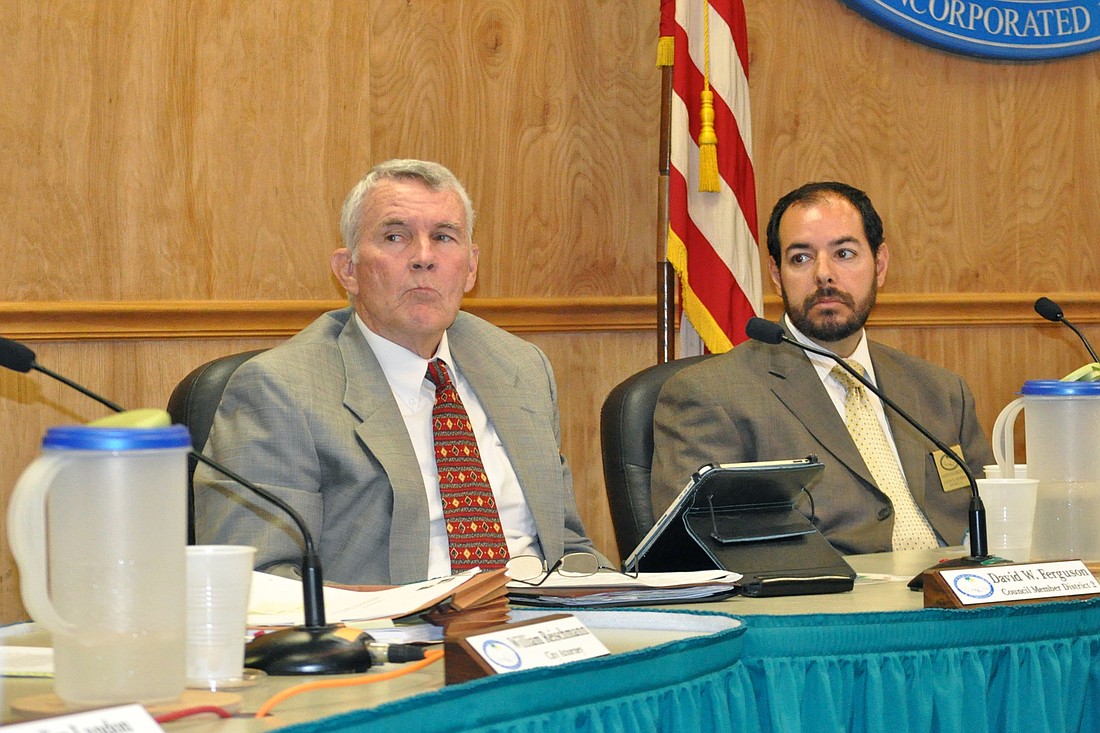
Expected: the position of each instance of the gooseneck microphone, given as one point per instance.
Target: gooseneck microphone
(1051, 311)
(767, 332)
(19, 358)
(315, 647)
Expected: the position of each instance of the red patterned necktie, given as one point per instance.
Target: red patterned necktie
(469, 508)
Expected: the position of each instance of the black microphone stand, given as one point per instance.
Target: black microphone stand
(1051, 311)
(315, 647)
(763, 330)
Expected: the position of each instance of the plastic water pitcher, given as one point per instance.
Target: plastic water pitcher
(1062, 438)
(98, 526)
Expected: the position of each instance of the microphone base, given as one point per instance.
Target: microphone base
(305, 650)
(972, 561)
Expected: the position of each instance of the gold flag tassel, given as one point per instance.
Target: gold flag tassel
(666, 47)
(708, 141)
(708, 144)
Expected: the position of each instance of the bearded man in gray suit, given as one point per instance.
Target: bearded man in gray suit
(338, 420)
(760, 402)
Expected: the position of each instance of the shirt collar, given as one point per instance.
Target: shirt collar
(405, 370)
(823, 364)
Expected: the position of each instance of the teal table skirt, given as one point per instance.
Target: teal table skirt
(670, 686)
(1031, 669)
(1016, 669)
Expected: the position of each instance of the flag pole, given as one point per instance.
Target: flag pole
(666, 274)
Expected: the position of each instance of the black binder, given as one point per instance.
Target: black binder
(741, 517)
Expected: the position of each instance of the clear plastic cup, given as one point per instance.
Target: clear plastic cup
(1009, 515)
(218, 582)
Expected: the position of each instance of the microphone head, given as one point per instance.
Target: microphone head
(1048, 309)
(761, 329)
(15, 356)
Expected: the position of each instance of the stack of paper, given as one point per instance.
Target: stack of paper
(478, 604)
(26, 661)
(610, 588)
(474, 599)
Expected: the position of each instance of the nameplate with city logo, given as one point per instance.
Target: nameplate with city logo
(541, 642)
(1009, 584)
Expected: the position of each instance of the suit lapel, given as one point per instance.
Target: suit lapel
(795, 382)
(367, 394)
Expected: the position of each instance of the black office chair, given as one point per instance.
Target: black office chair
(194, 402)
(626, 437)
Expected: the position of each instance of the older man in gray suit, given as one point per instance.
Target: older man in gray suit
(761, 402)
(338, 420)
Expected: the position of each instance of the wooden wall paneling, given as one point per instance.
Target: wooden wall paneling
(53, 321)
(560, 97)
(204, 149)
(45, 135)
(976, 166)
(280, 121)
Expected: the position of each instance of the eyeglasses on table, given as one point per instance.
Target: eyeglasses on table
(532, 570)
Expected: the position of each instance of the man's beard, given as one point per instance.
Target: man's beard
(831, 329)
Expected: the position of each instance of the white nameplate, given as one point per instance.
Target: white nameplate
(122, 719)
(1000, 584)
(543, 644)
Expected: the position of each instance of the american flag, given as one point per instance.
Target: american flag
(712, 237)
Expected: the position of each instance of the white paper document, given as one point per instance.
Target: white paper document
(611, 588)
(26, 661)
(611, 578)
(277, 601)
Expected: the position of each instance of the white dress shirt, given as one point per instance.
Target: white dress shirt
(406, 373)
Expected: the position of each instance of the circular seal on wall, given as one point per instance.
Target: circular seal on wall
(1021, 30)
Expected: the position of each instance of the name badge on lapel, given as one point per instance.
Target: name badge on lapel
(952, 477)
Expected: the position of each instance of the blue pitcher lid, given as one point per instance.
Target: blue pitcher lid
(1058, 388)
(88, 437)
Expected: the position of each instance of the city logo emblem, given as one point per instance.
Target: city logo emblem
(1015, 30)
(972, 586)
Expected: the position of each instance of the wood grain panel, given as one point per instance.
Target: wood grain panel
(203, 149)
(69, 320)
(977, 168)
(561, 98)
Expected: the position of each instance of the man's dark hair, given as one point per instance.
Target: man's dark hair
(812, 193)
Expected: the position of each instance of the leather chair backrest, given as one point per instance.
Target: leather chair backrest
(626, 437)
(194, 402)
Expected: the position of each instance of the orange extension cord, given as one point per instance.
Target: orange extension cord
(430, 656)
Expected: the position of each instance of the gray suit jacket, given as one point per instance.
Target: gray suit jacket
(759, 402)
(314, 421)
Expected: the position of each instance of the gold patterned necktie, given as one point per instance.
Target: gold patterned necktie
(469, 509)
(911, 528)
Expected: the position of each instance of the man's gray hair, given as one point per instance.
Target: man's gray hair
(433, 175)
